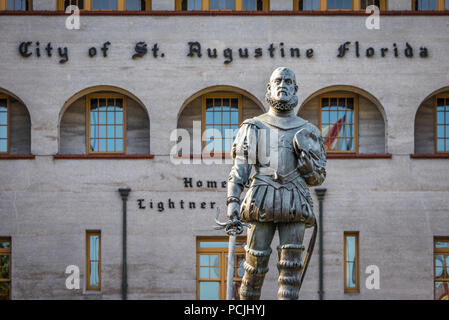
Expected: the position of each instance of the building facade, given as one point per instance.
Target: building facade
(86, 111)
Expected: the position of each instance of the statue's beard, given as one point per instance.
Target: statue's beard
(281, 106)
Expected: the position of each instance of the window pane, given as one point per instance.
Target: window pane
(350, 248)
(5, 244)
(350, 275)
(439, 263)
(3, 145)
(213, 244)
(204, 273)
(447, 4)
(5, 288)
(119, 145)
(5, 267)
(209, 290)
(441, 291)
(442, 244)
(3, 132)
(94, 274)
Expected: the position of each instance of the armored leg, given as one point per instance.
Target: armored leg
(289, 267)
(256, 267)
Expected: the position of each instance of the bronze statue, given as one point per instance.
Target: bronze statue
(287, 156)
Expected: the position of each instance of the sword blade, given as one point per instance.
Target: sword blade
(230, 274)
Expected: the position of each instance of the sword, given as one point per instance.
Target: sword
(232, 229)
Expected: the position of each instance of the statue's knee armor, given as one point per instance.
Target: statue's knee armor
(289, 267)
(256, 267)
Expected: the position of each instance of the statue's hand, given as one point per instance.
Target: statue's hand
(233, 211)
(305, 163)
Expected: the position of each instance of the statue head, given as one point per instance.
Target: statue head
(281, 90)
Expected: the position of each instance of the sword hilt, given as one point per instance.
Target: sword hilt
(231, 227)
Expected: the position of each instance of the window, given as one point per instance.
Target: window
(5, 268)
(307, 5)
(442, 123)
(190, 5)
(19, 5)
(420, 5)
(253, 5)
(221, 119)
(211, 261)
(4, 127)
(339, 4)
(119, 5)
(93, 270)
(338, 122)
(351, 261)
(106, 123)
(441, 268)
(238, 5)
(78, 3)
(221, 4)
(381, 4)
(446, 5)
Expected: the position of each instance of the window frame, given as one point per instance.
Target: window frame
(439, 96)
(437, 251)
(7, 252)
(4, 6)
(203, 116)
(223, 253)
(121, 6)
(88, 106)
(8, 124)
(88, 234)
(356, 261)
(356, 119)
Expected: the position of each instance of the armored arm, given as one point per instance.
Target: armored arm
(240, 172)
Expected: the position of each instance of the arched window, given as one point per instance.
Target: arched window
(108, 5)
(217, 5)
(310, 5)
(432, 124)
(16, 5)
(218, 113)
(350, 120)
(104, 122)
(15, 126)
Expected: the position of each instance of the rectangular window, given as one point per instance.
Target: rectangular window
(421, 5)
(78, 3)
(221, 4)
(338, 123)
(253, 5)
(20, 5)
(221, 120)
(107, 123)
(137, 5)
(339, 4)
(5, 268)
(366, 3)
(446, 4)
(191, 5)
(442, 123)
(308, 5)
(104, 4)
(212, 255)
(351, 261)
(4, 128)
(93, 269)
(441, 268)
